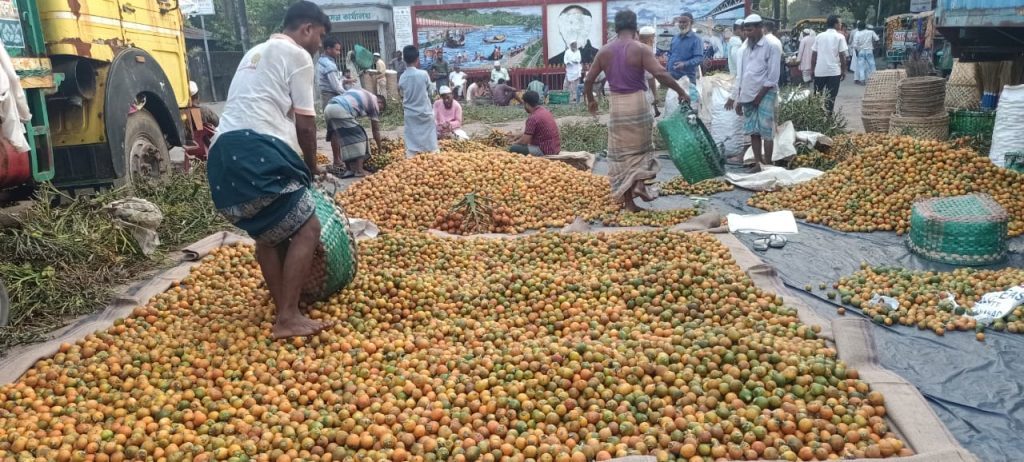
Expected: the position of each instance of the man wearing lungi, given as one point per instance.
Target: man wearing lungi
(631, 123)
(257, 178)
(756, 90)
(420, 130)
(341, 114)
(330, 83)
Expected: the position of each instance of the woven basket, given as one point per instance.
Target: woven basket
(965, 74)
(934, 127)
(921, 96)
(972, 123)
(882, 84)
(876, 124)
(878, 108)
(690, 146)
(962, 230)
(962, 97)
(335, 256)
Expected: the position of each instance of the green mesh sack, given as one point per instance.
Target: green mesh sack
(690, 146)
(334, 263)
(963, 230)
(364, 57)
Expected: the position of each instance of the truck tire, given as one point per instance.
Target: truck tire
(145, 150)
(5, 305)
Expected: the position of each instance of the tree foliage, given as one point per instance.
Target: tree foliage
(263, 18)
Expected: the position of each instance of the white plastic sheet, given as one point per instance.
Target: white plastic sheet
(781, 222)
(772, 178)
(784, 144)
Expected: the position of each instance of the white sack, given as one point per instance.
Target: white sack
(1008, 135)
(772, 178)
(784, 144)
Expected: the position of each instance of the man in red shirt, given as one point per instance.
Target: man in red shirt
(541, 137)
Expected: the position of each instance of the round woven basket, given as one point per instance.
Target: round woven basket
(391, 79)
(934, 127)
(876, 124)
(882, 84)
(963, 74)
(878, 108)
(962, 97)
(921, 96)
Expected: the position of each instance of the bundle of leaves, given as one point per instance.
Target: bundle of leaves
(808, 112)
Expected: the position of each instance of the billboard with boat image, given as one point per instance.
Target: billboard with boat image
(475, 38)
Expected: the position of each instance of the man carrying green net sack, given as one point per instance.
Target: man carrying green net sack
(631, 158)
(257, 179)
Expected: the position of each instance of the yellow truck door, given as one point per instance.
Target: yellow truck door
(156, 26)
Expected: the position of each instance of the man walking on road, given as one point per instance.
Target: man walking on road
(420, 130)
(631, 122)
(864, 49)
(257, 179)
(828, 59)
(573, 67)
(757, 89)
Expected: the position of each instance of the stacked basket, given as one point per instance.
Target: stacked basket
(921, 108)
(879, 100)
(962, 230)
(963, 91)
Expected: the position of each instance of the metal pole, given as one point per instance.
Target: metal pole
(209, 63)
(878, 13)
(243, 25)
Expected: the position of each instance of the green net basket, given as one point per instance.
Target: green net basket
(972, 123)
(1014, 161)
(690, 146)
(335, 261)
(963, 230)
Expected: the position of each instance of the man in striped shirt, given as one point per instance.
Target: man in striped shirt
(341, 114)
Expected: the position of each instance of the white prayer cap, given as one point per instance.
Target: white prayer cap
(444, 90)
(808, 31)
(754, 19)
(192, 88)
(647, 30)
(497, 63)
(739, 22)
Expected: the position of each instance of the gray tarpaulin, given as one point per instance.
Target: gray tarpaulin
(976, 388)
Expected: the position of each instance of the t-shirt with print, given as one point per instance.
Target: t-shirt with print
(273, 82)
(828, 45)
(543, 130)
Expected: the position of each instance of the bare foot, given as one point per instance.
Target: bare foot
(631, 206)
(299, 326)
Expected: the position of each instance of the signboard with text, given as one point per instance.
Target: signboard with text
(917, 6)
(196, 7)
(403, 26)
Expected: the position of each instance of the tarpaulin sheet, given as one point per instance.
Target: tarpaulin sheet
(976, 388)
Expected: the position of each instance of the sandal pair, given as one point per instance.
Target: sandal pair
(772, 241)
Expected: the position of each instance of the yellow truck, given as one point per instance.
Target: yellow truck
(107, 85)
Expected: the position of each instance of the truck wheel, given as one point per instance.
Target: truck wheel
(146, 153)
(5, 305)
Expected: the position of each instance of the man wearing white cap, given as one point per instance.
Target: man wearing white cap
(447, 114)
(457, 79)
(804, 54)
(573, 68)
(499, 73)
(754, 94)
(733, 47)
(381, 69)
(647, 35)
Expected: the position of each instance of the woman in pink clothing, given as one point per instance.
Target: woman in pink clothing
(447, 114)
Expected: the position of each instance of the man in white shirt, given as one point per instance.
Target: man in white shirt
(457, 79)
(828, 60)
(735, 42)
(257, 178)
(573, 67)
(864, 48)
(755, 92)
(499, 73)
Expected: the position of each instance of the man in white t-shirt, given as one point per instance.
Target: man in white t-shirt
(257, 178)
(573, 67)
(828, 60)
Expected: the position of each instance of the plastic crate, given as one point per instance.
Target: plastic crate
(558, 97)
(690, 146)
(963, 230)
(973, 123)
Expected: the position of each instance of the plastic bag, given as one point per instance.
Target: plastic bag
(141, 217)
(784, 144)
(996, 305)
(1006, 136)
(726, 126)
